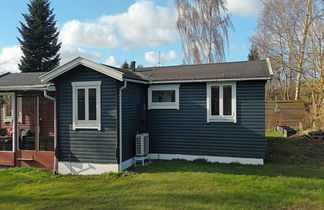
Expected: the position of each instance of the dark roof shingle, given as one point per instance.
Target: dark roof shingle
(21, 79)
(230, 70)
(128, 74)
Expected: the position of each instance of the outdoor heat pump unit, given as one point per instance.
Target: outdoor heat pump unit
(142, 144)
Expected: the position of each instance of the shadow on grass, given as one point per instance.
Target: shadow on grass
(291, 157)
(269, 169)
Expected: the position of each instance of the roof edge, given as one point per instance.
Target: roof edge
(25, 87)
(85, 62)
(201, 64)
(208, 80)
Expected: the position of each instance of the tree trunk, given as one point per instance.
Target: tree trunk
(302, 49)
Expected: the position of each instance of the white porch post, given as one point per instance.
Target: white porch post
(14, 122)
(37, 124)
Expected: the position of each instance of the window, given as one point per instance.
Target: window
(163, 97)
(86, 105)
(221, 102)
(7, 108)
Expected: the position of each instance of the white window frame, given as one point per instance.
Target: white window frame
(86, 124)
(221, 117)
(8, 119)
(163, 105)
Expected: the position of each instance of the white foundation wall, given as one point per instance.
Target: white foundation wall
(213, 159)
(93, 168)
(77, 168)
(128, 163)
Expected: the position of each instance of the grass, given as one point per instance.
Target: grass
(292, 178)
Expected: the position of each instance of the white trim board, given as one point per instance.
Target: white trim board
(163, 105)
(85, 62)
(25, 87)
(85, 168)
(213, 159)
(221, 117)
(269, 66)
(86, 123)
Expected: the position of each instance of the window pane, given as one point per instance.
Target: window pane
(8, 107)
(8, 110)
(5, 140)
(81, 104)
(92, 104)
(163, 96)
(215, 100)
(227, 100)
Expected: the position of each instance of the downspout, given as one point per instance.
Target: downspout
(55, 129)
(121, 126)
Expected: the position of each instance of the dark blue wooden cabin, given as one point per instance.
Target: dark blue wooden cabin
(210, 111)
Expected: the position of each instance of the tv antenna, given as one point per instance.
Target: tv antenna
(159, 61)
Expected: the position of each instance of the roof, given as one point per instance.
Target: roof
(107, 70)
(243, 70)
(15, 81)
(231, 71)
(129, 74)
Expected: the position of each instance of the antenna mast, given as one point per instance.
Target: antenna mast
(159, 63)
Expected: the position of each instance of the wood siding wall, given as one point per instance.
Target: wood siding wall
(134, 109)
(290, 113)
(186, 131)
(84, 145)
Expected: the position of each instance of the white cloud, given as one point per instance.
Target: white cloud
(244, 8)
(9, 59)
(144, 24)
(112, 61)
(68, 53)
(155, 58)
(10, 56)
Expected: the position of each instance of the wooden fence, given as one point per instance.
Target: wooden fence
(294, 114)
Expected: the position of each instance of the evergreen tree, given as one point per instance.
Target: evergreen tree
(139, 66)
(39, 42)
(254, 54)
(125, 65)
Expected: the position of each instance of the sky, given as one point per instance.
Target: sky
(110, 31)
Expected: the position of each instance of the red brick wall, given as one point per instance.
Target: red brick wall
(46, 115)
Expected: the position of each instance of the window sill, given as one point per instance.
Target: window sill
(163, 107)
(221, 119)
(79, 127)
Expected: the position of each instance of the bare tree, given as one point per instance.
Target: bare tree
(301, 55)
(291, 33)
(203, 26)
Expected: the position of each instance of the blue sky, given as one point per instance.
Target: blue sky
(111, 32)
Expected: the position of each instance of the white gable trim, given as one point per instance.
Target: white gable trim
(85, 62)
(269, 66)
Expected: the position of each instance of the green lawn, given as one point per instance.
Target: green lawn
(292, 178)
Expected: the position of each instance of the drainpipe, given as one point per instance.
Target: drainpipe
(121, 125)
(55, 129)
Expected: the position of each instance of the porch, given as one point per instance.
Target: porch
(27, 127)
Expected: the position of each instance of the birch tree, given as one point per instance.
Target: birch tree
(291, 33)
(203, 27)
